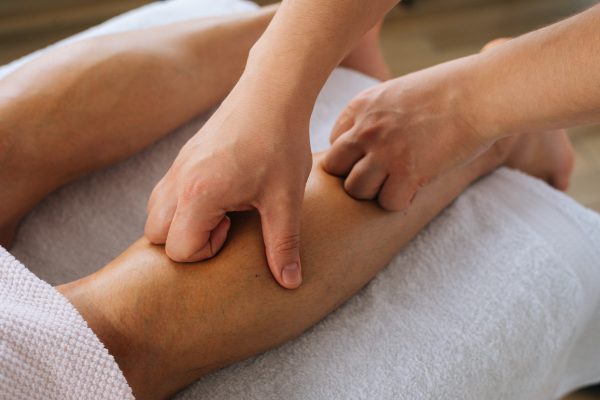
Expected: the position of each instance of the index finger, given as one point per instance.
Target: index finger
(197, 232)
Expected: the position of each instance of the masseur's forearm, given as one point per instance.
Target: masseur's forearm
(544, 80)
(305, 41)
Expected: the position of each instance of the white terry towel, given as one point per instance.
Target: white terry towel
(47, 350)
(496, 299)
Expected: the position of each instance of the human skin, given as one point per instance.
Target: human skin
(397, 137)
(168, 324)
(254, 152)
(116, 94)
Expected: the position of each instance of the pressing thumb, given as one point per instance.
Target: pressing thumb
(281, 233)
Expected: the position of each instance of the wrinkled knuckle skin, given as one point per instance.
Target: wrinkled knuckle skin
(288, 244)
(357, 103)
(373, 127)
(194, 188)
(367, 134)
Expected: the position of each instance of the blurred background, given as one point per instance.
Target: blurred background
(415, 36)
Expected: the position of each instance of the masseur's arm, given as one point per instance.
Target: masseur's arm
(254, 152)
(395, 138)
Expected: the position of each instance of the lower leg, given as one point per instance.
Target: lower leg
(168, 324)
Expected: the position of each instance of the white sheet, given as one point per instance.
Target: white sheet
(496, 299)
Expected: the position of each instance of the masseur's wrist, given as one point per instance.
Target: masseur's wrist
(475, 108)
(292, 83)
(266, 94)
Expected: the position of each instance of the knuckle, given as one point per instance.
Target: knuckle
(372, 127)
(359, 102)
(287, 244)
(354, 141)
(391, 204)
(195, 188)
(353, 189)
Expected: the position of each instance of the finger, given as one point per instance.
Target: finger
(365, 179)
(494, 43)
(342, 156)
(343, 123)
(280, 221)
(161, 208)
(397, 192)
(216, 240)
(193, 232)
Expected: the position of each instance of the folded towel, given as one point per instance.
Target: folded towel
(496, 299)
(47, 351)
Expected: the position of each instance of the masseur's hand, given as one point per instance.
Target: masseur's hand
(398, 136)
(249, 155)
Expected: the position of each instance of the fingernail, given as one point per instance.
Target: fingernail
(290, 274)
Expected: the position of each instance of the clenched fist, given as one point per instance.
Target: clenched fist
(396, 137)
(245, 157)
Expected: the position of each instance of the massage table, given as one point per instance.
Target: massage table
(496, 299)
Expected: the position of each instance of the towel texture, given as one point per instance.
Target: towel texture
(496, 299)
(47, 350)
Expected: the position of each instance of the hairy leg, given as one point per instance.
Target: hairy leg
(168, 324)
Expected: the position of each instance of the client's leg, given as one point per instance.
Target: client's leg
(168, 324)
(89, 104)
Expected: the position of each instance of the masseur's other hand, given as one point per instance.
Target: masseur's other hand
(398, 136)
(250, 155)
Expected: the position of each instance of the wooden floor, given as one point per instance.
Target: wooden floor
(430, 32)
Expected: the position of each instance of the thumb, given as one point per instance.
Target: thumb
(280, 223)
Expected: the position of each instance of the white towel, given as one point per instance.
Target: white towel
(47, 350)
(496, 299)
